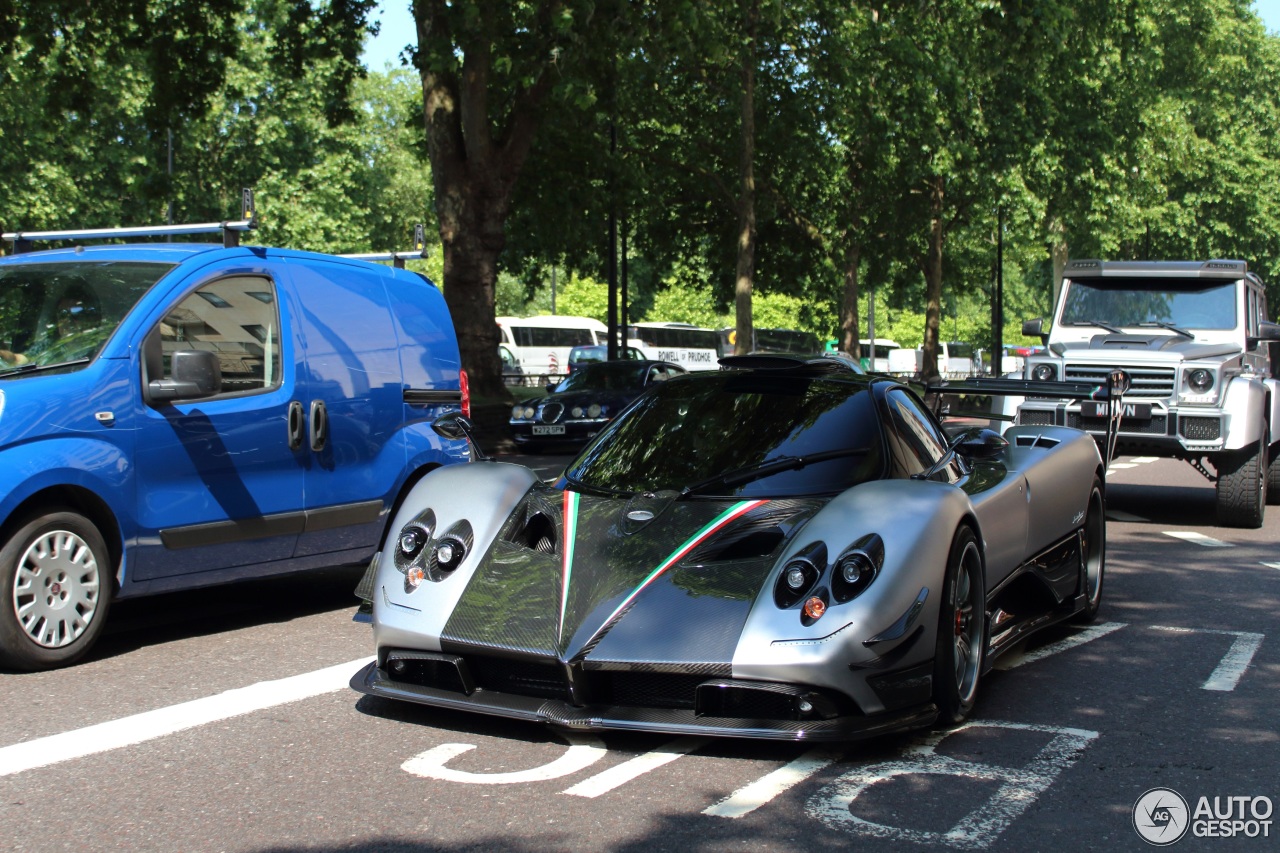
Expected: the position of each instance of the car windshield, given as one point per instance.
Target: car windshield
(690, 431)
(53, 313)
(605, 376)
(1128, 302)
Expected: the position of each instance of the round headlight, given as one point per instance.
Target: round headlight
(795, 577)
(517, 412)
(449, 554)
(1200, 380)
(593, 411)
(528, 412)
(851, 570)
(409, 541)
(445, 552)
(576, 411)
(1044, 372)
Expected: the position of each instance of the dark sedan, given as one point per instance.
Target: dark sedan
(581, 405)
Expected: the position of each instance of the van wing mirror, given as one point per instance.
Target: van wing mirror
(194, 374)
(1035, 329)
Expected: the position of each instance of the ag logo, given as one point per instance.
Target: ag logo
(1160, 816)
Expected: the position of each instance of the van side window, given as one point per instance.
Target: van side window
(235, 317)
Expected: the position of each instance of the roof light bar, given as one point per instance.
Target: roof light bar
(398, 258)
(22, 240)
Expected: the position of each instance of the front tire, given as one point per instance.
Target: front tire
(1093, 554)
(962, 631)
(55, 583)
(1242, 485)
(1273, 479)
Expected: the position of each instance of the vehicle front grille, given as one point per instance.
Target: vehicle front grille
(1200, 428)
(1158, 425)
(645, 689)
(1147, 383)
(551, 412)
(521, 678)
(1036, 418)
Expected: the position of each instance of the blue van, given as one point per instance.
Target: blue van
(182, 415)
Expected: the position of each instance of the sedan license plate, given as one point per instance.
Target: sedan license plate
(1131, 411)
(554, 429)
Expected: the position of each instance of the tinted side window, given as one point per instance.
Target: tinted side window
(914, 441)
(237, 318)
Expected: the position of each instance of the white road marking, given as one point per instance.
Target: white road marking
(1231, 668)
(1121, 515)
(751, 797)
(614, 777)
(150, 725)
(977, 830)
(1087, 635)
(1272, 565)
(1142, 459)
(583, 751)
(1198, 539)
(1118, 466)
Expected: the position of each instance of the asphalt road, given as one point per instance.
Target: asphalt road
(221, 720)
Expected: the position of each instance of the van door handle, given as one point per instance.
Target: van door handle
(319, 425)
(295, 425)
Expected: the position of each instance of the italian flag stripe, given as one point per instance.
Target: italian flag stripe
(694, 541)
(570, 535)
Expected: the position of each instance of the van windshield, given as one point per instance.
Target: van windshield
(53, 313)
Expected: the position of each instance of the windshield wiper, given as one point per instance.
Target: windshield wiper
(766, 468)
(601, 491)
(1170, 327)
(32, 367)
(1098, 323)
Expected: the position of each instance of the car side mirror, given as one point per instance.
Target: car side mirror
(1035, 329)
(455, 426)
(979, 444)
(194, 374)
(551, 389)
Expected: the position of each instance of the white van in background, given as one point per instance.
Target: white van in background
(955, 360)
(542, 344)
(691, 347)
(879, 361)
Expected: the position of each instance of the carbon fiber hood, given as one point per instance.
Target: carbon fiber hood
(637, 582)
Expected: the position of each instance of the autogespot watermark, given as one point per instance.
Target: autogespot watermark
(1162, 816)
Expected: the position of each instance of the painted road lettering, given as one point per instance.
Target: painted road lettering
(1018, 787)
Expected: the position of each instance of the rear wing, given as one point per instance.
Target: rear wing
(1111, 393)
(24, 241)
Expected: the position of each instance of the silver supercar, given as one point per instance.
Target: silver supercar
(782, 549)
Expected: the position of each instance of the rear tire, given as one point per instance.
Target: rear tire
(962, 631)
(1093, 554)
(55, 590)
(1242, 485)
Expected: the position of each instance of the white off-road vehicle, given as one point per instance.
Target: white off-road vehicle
(1202, 363)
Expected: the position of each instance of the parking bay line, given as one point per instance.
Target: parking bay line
(1087, 635)
(1198, 539)
(1229, 670)
(149, 725)
(760, 792)
(614, 777)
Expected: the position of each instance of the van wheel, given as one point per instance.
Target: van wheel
(962, 631)
(56, 583)
(1242, 485)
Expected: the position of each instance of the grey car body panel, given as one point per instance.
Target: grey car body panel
(652, 585)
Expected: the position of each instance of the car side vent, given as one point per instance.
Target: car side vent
(1036, 441)
(538, 533)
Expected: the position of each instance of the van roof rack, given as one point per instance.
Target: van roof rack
(398, 258)
(23, 240)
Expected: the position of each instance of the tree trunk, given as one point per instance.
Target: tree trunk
(745, 328)
(933, 280)
(1058, 259)
(849, 306)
